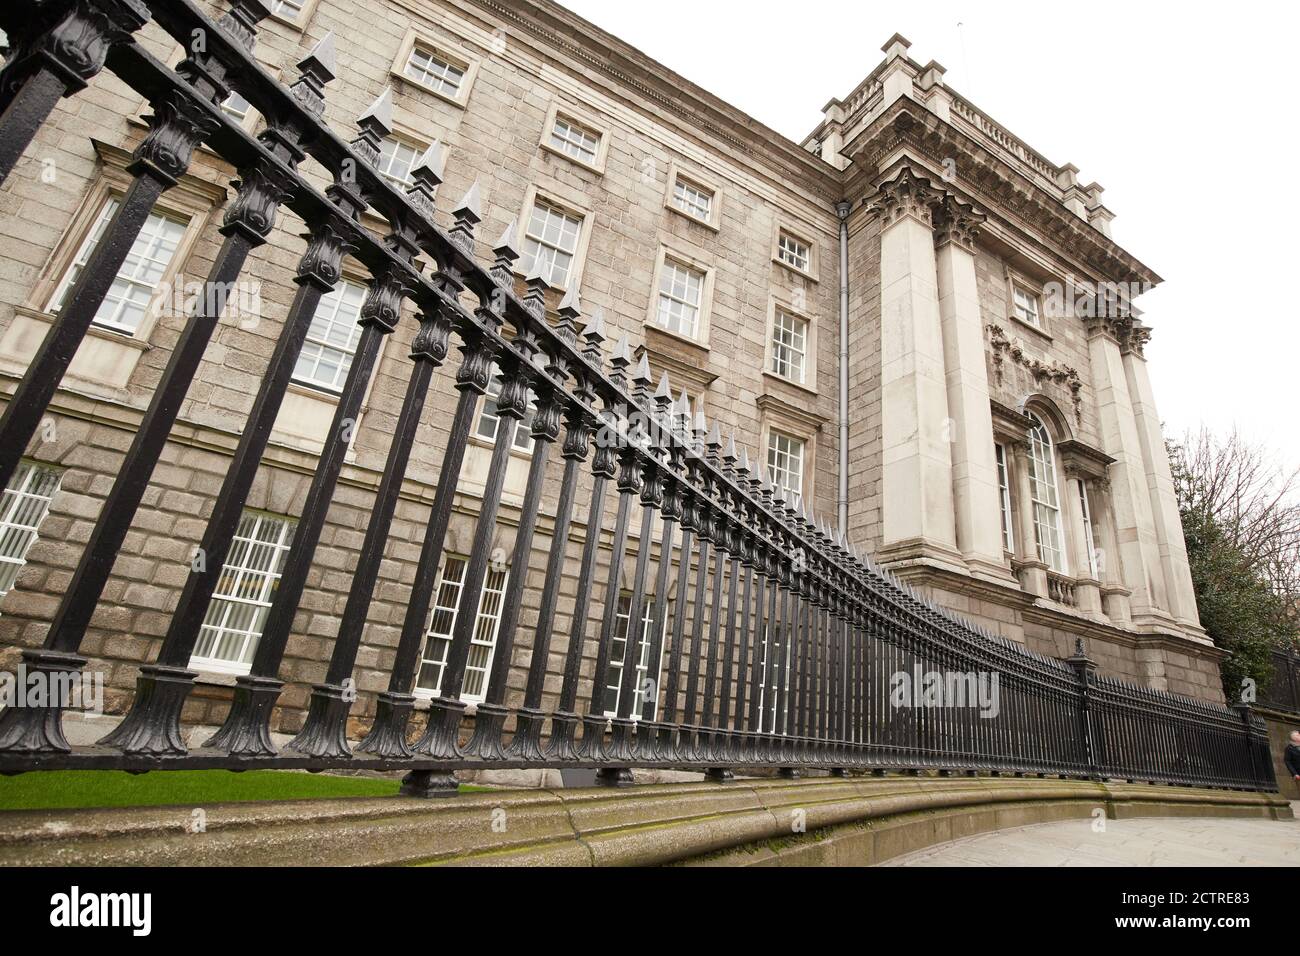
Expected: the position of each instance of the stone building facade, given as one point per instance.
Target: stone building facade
(1002, 454)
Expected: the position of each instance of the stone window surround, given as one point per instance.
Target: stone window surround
(567, 200)
(776, 414)
(453, 53)
(117, 353)
(1075, 461)
(776, 300)
(704, 321)
(813, 271)
(586, 120)
(1017, 277)
(703, 183)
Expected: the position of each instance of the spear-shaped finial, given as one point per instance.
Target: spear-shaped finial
(714, 443)
(620, 361)
(593, 335)
(535, 297)
(466, 216)
(426, 177)
(375, 124)
(315, 70)
(505, 254)
(664, 395)
(569, 311)
(730, 456)
(642, 381)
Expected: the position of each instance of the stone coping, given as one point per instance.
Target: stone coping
(859, 820)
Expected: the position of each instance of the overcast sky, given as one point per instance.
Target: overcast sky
(1185, 113)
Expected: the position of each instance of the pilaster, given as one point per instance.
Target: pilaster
(974, 465)
(918, 516)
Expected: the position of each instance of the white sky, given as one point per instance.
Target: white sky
(1185, 113)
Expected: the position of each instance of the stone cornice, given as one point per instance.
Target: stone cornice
(1084, 460)
(1005, 193)
(779, 406)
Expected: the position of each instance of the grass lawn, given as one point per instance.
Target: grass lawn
(69, 789)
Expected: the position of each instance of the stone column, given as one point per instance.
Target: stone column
(1180, 597)
(974, 464)
(918, 518)
(1130, 501)
(1110, 563)
(1087, 589)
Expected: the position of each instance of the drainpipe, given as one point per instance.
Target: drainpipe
(842, 210)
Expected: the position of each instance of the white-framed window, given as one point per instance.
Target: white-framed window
(397, 158)
(489, 421)
(435, 71)
(614, 676)
(1025, 306)
(442, 625)
(1089, 540)
(694, 200)
(789, 345)
(1046, 496)
(575, 140)
(127, 303)
(785, 455)
(244, 593)
(794, 252)
(681, 295)
(551, 242)
(1004, 500)
(326, 356)
(24, 506)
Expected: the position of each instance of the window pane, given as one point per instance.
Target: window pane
(550, 243)
(793, 252)
(431, 70)
(693, 200)
(573, 140)
(244, 593)
(326, 356)
(1046, 497)
(442, 625)
(785, 465)
(680, 292)
(618, 649)
(789, 345)
(489, 420)
(397, 159)
(25, 504)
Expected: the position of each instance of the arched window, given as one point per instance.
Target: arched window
(1046, 496)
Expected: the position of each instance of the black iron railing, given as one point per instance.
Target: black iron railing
(786, 648)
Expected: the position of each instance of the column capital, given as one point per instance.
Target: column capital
(908, 194)
(957, 223)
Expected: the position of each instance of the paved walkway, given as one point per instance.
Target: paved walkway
(1141, 842)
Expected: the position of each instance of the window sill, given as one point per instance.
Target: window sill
(456, 101)
(697, 344)
(809, 389)
(801, 273)
(596, 168)
(214, 675)
(706, 223)
(1021, 323)
(480, 442)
